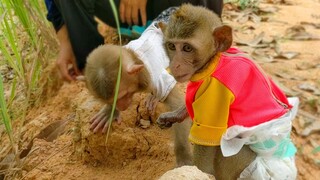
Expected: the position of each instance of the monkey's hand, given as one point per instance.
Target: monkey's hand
(151, 103)
(166, 120)
(101, 120)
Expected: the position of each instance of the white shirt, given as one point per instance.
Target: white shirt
(149, 48)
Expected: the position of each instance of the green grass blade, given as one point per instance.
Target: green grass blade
(10, 34)
(22, 13)
(4, 112)
(13, 92)
(115, 13)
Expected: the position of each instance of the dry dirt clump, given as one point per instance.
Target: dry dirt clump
(131, 151)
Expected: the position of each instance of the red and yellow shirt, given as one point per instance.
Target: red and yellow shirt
(232, 90)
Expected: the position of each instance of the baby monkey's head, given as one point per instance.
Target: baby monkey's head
(101, 74)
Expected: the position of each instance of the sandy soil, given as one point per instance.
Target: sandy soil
(68, 150)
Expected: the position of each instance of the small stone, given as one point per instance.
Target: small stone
(144, 123)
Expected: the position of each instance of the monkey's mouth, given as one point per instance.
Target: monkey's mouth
(182, 78)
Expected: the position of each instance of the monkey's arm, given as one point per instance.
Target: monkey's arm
(101, 119)
(166, 120)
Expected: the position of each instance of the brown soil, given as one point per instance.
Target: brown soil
(132, 152)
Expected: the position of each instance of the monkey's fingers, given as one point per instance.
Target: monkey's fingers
(164, 122)
(100, 125)
(153, 107)
(94, 124)
(105, 127)
(151, 104)
(97, 117)
(164, 125)
(118, 119)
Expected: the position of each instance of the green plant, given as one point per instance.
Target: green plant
(4, 112)
(22, 45)
(114, 10)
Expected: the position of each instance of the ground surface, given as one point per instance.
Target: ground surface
(68, 150)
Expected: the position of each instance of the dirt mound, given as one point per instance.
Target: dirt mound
(129, 146)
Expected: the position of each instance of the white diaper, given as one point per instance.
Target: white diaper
(271, 141)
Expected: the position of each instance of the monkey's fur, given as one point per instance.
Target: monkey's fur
(101, 76)
(192, 37)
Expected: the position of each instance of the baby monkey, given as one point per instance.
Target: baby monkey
(144, 64)
(241, 119)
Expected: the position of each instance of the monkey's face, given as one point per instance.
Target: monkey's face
(187, 56)
(192, 37)
(128, 87)
(124, 98)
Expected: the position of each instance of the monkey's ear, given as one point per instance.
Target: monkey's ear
(223, 38)
(162, 26)
(134, 69)
(101, 26)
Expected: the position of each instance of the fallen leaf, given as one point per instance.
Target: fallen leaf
(287, 55)
(243, 19)
(298, 32)
(265, 19)
(305, 66)
(231, 7)
(246, 29)
(283, 2)
(317, 26)
(8, 161)
(313, 124)
(256, 19)
(262, 56)
(313, 143)
(246, 15)
(253, 43)
(303, 121)
(286, 90)
(304, 36)
(267, 9)
(268, 40)
(49, 133)
(309, 88)
(288, 76)
(313, 128)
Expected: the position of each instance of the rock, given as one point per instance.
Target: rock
(144, 123)
(186, 173)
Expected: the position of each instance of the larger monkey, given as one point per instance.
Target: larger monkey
(241, 119)
(144, 64)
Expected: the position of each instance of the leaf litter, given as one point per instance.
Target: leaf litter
(266, 50)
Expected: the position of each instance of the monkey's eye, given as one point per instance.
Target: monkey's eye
(171, 46)
(187, 48)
